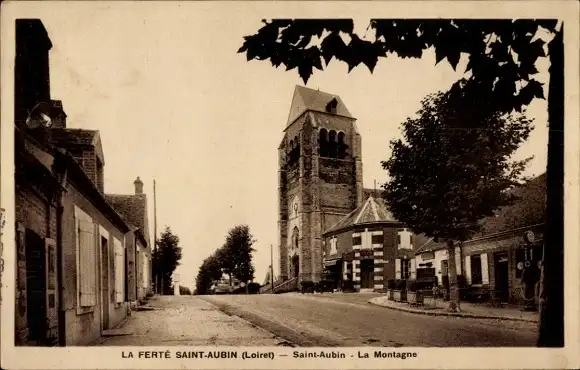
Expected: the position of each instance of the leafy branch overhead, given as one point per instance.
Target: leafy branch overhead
(501, 53)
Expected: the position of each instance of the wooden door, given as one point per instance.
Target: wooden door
(366, 274)
(502, 276)
(36, 288)
(51, 291)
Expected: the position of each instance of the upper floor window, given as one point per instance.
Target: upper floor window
(323, 143)
(333, 245)
(294, 150)
(332, 144)
(341, 146)
(331, 106)
(295, 237)
(405, 239)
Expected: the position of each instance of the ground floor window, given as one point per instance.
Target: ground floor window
(476, 276)
(405, 268)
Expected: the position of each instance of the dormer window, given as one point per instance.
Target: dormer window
(331, 106)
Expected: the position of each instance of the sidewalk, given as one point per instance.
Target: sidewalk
(468, 310)
(185, 321)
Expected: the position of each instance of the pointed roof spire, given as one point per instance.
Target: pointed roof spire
(306, 99)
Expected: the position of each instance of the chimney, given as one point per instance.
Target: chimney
(138, 186)
(58, 115)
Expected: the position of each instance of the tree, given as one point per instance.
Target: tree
(501, 67)
(183, 290)
(235, 257)
(452, 169)
(209, 271)
(166, 258)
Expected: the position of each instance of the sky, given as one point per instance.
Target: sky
(174, 102)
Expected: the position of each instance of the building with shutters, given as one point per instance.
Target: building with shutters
(71, 265)
(508, 249)
(133, 208)
(369, 246)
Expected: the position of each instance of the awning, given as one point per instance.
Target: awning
(331, 261)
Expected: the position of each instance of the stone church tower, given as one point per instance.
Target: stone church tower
(319, 177)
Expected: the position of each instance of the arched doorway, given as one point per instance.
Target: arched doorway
(294, 266)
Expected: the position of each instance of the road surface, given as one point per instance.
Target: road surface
(348, 320)
(186, 321)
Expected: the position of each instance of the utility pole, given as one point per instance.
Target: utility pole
(155, 277)
(272, 266)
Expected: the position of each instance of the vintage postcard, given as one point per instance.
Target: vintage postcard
(274, 185)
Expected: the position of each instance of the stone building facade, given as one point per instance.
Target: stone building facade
(369, 246)
(133, 208)
(320, 178)
(504, 258)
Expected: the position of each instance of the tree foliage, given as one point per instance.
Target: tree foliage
(166, 258)
(183, 290)
(501, 53)
(453, 167)
(235, 257)
(209, 271)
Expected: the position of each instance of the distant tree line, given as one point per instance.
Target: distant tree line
(233, 259)
(166, 258)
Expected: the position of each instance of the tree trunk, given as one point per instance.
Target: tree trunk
(453, 287)
(551, 324)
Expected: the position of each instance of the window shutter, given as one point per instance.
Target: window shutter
(468, 269)
(87, 291)
(484, 269)
(397, 268)
(145, 269)
(413, 269)
(119, 271)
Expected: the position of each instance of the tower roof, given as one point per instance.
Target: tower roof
(373, 211)
(306, 99)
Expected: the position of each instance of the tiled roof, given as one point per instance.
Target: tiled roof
(308, 99)
(373, 210)
(528, 210)
(67, 137)
(376, 193)
(133, 208)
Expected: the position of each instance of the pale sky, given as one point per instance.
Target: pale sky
(173, 101)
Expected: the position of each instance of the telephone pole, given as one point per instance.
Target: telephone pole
(155, 277)
(272, 266)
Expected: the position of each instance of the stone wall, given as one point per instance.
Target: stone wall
(35, 213)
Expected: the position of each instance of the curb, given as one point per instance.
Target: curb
(453, 314)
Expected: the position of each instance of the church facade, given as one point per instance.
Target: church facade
(319, 178)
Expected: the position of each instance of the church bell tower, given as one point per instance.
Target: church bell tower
(319, 178)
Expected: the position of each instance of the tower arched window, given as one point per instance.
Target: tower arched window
(341, 146)
(297, 143)
(323, 143)
(332, 144)
(295, 237)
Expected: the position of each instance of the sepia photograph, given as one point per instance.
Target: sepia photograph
(232, 181)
